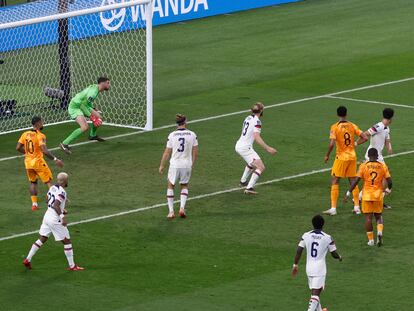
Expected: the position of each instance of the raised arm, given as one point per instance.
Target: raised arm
(165, 156)
(259, 140)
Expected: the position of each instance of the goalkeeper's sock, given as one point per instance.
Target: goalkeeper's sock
(74, 135)
(170, 200)
(92, 131)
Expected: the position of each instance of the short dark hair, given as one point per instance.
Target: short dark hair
(36, 119)
(388, 113)
(341, 111)
(102, 79)
(372, 152)
(318, 222)
(180, 119)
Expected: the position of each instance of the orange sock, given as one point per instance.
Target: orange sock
(334, 195)
(370, 235)
(355, 195)
(380, 228)
(34, 199)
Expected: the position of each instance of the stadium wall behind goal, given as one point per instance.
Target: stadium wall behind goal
(165, 12)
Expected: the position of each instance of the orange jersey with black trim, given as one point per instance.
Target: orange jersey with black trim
(32, 141)
(344, 133)
(373, 173)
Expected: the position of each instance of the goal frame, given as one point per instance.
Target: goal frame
(105, 8)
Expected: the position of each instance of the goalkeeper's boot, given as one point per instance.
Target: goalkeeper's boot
(171, 215)
(27, 264)
(97, 138)
(182, 213)
(250, 191)
(65, 148)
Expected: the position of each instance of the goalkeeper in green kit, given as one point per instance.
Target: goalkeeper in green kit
(81, 107)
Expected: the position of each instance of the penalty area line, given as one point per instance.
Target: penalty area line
(197, 197)
(301, 100)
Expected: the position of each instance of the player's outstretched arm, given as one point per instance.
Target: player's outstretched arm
(295, 267)
(363, 138)
(330, 148)
(165, 156)
(194, 154)
(258, 139)
(336, 255)
(46, 152)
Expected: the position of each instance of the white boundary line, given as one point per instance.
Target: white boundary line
(197, 197)
(370, 101)
(234, 113)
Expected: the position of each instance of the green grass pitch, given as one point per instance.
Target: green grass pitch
(233, 252)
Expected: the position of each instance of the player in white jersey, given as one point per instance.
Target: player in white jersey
(317, 244)
(251, 130)
(379, 135)
(182, 147)
(54, 222)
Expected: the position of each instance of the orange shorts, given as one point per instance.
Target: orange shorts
(343, 168)
(44, 173)
(369, 207)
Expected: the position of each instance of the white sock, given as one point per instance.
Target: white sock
(170, 200)
(255, 176)
(183, 198)
(360, 195)
(247, 171)
(69, 254)
(313, 303)
(35, 247)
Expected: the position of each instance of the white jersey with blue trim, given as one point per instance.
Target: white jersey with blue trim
(55, 193)
(182, 142)
(317, 244)
(251, 125)
(379, 134)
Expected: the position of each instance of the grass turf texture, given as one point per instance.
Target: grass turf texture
(233, 252)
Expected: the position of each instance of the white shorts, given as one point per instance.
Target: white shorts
(248, 154)
(316, 282)
(179, 174)
(52, 226)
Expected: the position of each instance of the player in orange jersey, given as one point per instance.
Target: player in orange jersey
(373, 173)
(32, 144)
(343, 135)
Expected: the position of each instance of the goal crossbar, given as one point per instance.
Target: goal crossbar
(76, 13)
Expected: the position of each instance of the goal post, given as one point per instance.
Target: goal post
(50, 50)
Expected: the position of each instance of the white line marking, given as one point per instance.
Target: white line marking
(201, 196)
(231, 114)
(370, 101)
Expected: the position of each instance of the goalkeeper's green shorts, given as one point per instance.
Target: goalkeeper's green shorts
(75, 112)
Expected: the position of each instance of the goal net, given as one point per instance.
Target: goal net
(52, 49)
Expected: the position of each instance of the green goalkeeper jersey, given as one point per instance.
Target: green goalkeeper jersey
(85, 98)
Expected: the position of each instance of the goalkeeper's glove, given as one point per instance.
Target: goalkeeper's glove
(97, 122)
